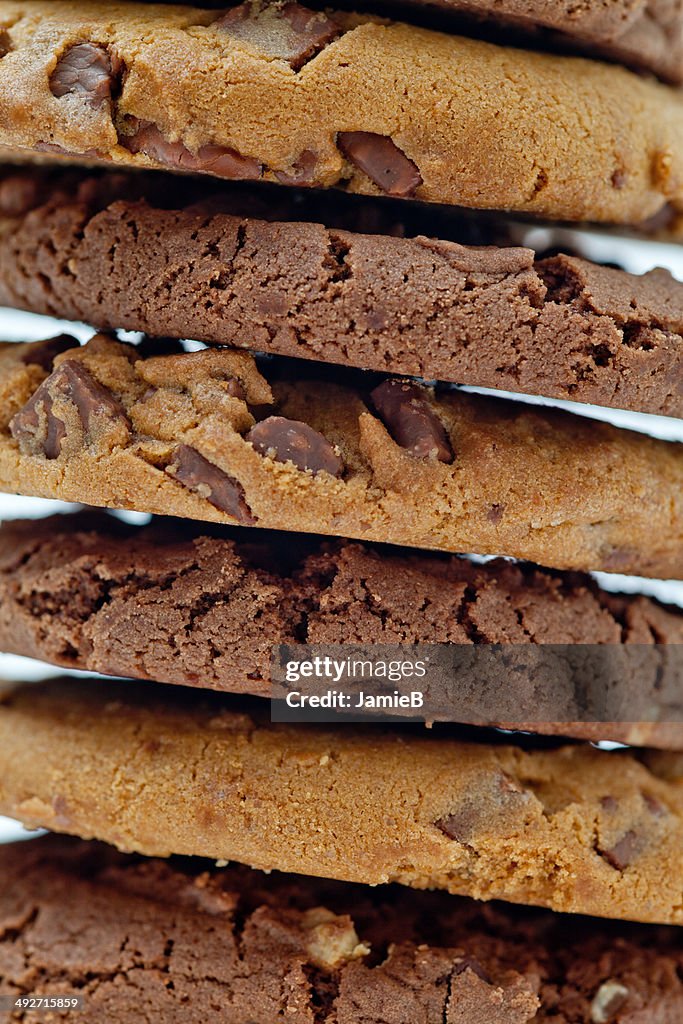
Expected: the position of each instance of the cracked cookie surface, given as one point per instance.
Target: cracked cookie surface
(159, 770)
(177, 938)
(284, 94)
(205, 435)
(100, 249)
(174, 603)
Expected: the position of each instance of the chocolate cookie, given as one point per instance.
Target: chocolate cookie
(161, 770)
(175, 940)
(283, 93)
(205, 435)
(98, 248)
(172, 603)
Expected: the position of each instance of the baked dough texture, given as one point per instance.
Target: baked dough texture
(280, 93)
(158, 771)
(174, 603)
(183, 258)
(213, 435)
(173, 940)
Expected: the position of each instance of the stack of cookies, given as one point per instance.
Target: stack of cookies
(313, 473)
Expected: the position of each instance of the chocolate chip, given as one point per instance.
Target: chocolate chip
(291, 441)
(38, 429)
(86, 70)
(624, 851)
(288, 31)
(5, 43)
(496, 798)
(495, 513)
(91, 399)
(609, 803)
(210, 159)
(468, 963)
(607, 1001)
(42, 353)
(302, 172)
(410, 420)
(654, 806)
(383, 162)
(193, 471)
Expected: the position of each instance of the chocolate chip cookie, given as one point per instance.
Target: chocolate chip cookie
(173, 603)
(100, 249)
(213, 435)
(173, 939)
(287, 94)
(163, 770)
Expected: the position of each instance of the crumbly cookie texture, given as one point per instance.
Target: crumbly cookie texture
(282, 93)
(159, 770)
(173, 940)
(171, 603)
(205, 435)
(645, 34)
(99, 249)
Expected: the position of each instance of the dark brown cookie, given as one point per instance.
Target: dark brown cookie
(173, 603)
(91, 249)
(175, 940)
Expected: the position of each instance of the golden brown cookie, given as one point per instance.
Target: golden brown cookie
(207, 435)
(286, 94)
(159, 771)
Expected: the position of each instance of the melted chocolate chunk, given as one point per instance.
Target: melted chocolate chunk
(87, 70)
(39, 430)
(383, 162)
(624, 851)
(411, 421)
(302, 172)
(210, 159)
(291, 441)
(5, 43)
(497, 799)
(193, 471)
(43, 353)
(288, 31)
(35, 427)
